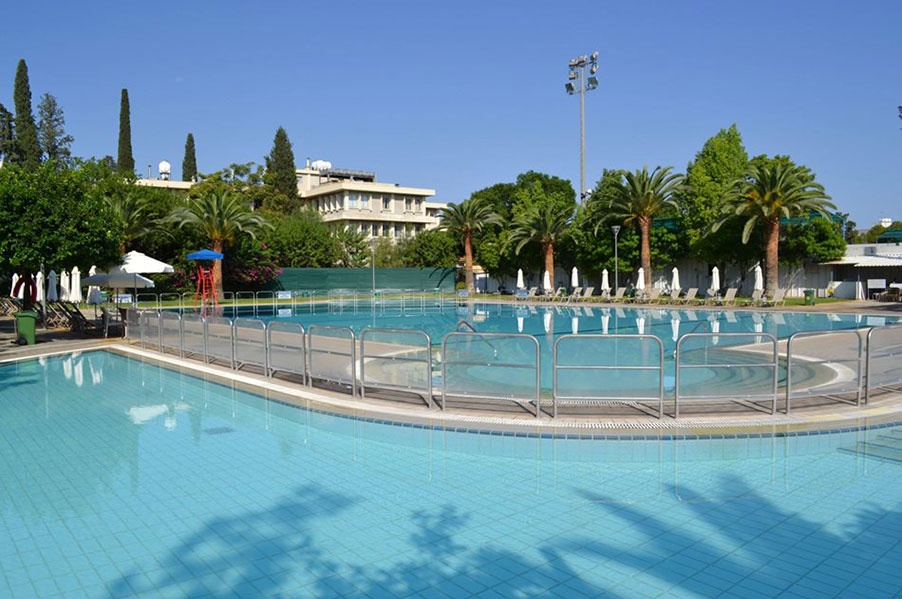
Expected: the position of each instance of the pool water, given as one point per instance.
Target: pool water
(120, 478)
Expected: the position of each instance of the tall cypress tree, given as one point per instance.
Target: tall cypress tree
(189, 163)
(125, 162)
(27, 146)
(7, 136)
(280, 174)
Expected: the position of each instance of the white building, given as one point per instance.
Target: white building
(356, 200)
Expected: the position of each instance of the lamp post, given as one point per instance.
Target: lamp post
(577, 77)
(616, 230)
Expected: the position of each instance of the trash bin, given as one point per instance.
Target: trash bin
(25, 325)
(809, 297)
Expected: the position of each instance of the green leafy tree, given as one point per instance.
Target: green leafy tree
(771, 191)
(55, 142)
(281, 178)
(221, 219)
(7, 136)
(465, 221)
(302, 240)
(849, 228)
(189, 162)
(28, 151)
(430, 249)
(818, 240)
(56, 219)
(641, 197)
(125, 160)
(351, 246)
(490, 248)
(547, 224)
(136, 213)
(387, 254)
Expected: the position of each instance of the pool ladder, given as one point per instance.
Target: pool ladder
(466, 324)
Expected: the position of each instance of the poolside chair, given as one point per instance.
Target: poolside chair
(710, 297)
(560, 295)
(779, 298)
(754, 299)
(618, 297)
(520, 295)
(587, 294)
(532, 293)
(729, 297)
(651, 296)
(690, 296)
(575, 296)
(673, 298)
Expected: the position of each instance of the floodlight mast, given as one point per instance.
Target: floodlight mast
(578, 72)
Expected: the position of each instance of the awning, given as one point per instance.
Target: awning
(867, 261)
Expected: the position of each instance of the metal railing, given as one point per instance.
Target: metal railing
(599, 391)
(283, 341)
(249, 342)
(194, 338)
(529, 393)
(398, 363)
(170, 332)
(730, 392)
(329, 359)
(884, 346)
(830, 376)
(219, 340)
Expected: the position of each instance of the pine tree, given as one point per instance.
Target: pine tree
(29, 152)
(280, 172)
(189, 163)
(125, 162)
(55, 143)
(7, 136)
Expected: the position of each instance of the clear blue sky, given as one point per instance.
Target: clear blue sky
(462, 95)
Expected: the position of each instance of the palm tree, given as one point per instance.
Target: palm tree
(768, 193)
(220, 217)
(547, 224)
(135, 213)
(639, 198)
(465, 220)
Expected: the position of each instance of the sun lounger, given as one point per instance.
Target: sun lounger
(575, 296)
(690, 296)
(779, 298)
(755, 298)
(673, 298)
(618, 297)
(729, 297)
(587, 294)
(651, 296)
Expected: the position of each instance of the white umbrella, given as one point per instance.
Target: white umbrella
(519, 324)
(640, 324)
(675, 280)
(138, 263)
(52, 294)
(574, 325)
(546, 282)
(675, 325)
(605, 321)
(605, 285)
(574, 278)
(118, 280)
(759, 278)
(640, 282)
(39, 283)
(75, 286)
(12, 292)
(64, 286)
(546, 320)
(520, 284)
(715, 279)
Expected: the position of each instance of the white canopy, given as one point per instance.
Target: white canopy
(715, 279)
(118, 281)
(640, 282)
(75, 286)
(574, 278)
(52, 294)
(520, 284)
(605, 285)
(759, 278)
(138, 263)
(675, 280)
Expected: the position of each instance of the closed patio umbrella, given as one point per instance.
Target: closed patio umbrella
(675, 278)
(75, 286)
(546, 321)
(574, 325)
(675, 325)
(640, 324)
(759, 278)
(519, 324)
(715, 328)
(12, 292)
(52, 294)
(574, 278)
(64, 286)
(640, 282)
(520, 284)
(39, 283)
(605, 284)
(605, 322)
(546, 282)
(715, 279)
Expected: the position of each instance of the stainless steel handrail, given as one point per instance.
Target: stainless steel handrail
(556, 367)
(678, 367)
(473, 329)
(867, 360)
(281, 327)
(257, 326)
(426, 392)
(537, 367)
(858, 360)
(352, 354)
(209, 355)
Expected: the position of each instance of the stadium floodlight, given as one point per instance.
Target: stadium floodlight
(578, 73)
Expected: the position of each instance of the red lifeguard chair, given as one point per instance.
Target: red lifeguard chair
(205, 300)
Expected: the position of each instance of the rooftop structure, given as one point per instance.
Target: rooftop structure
(355, 199)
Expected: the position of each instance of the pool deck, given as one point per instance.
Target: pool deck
(703, 420)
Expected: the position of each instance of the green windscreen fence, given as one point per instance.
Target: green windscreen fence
(362, 278)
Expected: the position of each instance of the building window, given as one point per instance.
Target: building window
(418, 205)
(386, 203)
(408, 204)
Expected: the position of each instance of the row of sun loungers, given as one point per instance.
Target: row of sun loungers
(655, 296)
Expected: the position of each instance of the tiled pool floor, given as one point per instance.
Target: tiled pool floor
(120, 478)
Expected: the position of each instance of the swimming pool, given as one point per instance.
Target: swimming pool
(121, 478)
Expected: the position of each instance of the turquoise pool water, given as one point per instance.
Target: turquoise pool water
(119, 479)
